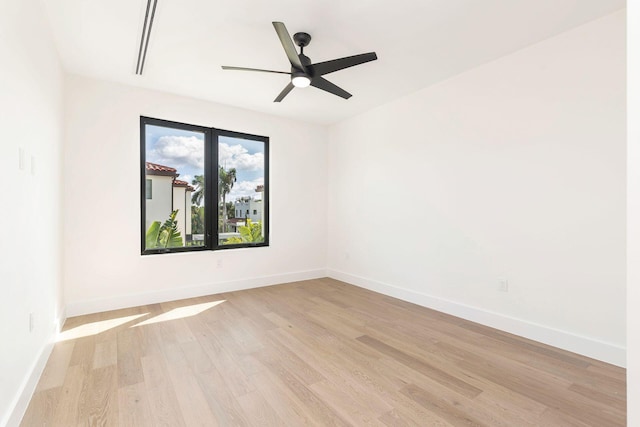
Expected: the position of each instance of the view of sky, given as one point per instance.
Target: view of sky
(184, 150)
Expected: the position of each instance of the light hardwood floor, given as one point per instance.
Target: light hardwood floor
(317, 352)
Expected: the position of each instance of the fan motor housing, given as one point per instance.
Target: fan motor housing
(302, 39)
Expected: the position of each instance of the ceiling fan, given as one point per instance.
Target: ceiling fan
(303, 73)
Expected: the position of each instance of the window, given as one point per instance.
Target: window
(148, 189)
(201, 178)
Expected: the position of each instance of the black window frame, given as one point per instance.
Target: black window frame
(211, 152)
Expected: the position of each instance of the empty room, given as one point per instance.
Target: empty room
(413, 213)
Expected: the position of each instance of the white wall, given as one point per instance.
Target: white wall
(103, 265)
(30, 248)
(515, 170)
(180, 202)
(633, 213)
(159, 206)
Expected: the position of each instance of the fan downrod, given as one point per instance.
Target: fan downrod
(302, 39)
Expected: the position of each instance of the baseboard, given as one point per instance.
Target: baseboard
(22, 400)
(606, 352)
(78, 308)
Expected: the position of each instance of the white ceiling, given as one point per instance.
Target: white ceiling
(418, 42)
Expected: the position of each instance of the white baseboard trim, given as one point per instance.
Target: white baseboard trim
(21, 402)
(606, 352)
(78, 308)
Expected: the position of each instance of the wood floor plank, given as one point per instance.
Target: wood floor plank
(56, 369)
(321, 411)
(287, 405)
(348, 407)
(485, 409)
(552, 417)
(83, 353)
(258, 411)
(225, 406)
(281, 354)
(422, 366)
(314, 353)
(165, 409)
(133, 405)
(194, 407)
(42, 407)
(409, 417)
(128, 357)
(75, 386)
(443, 409)
(355, 372)
(99, 405)
(106, 354)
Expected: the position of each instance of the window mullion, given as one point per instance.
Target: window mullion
(211, 210)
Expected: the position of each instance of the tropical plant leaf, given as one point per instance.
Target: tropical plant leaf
(174, 239)
(151, 238)
(250, 233)
(166, 235)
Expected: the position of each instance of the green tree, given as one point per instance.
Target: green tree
(198, 194)
(226, 179)
(231, 210)
(165, 235)
(197, 219)
(250, 233)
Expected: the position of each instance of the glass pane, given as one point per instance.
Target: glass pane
(148, 189)
(241, 191)
(174, 170)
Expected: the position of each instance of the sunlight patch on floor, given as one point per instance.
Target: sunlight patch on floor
(180, 313)
(95, 328)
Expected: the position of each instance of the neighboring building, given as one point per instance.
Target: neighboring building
(248, 207)
(182, 200)
(164, 194)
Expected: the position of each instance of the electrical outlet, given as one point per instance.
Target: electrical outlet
(503, 285)
(219, 263)
(31, 322)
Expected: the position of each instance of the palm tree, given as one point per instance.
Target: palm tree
(225, 184)
(198, 195)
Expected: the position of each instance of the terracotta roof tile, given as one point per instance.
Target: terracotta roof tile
(179, 183)
(160, 168)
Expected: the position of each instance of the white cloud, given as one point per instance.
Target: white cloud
(179, 151)
(245, 189)
(187, 178)
(236, 156)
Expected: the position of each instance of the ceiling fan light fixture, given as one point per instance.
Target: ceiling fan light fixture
(304, 73)
(300, 80)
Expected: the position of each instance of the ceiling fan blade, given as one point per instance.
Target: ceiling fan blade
(326, 85)
(287, 44)
(322, 68)
(226, 67)
(284, 92)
